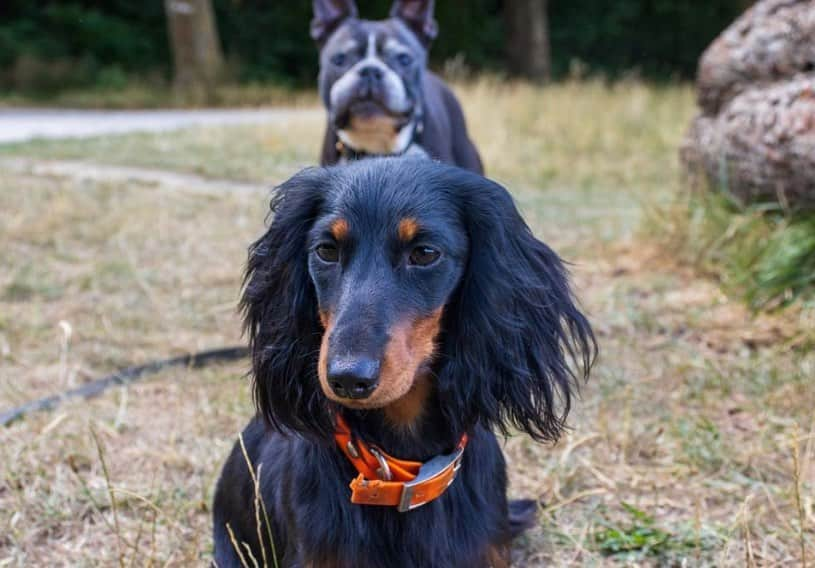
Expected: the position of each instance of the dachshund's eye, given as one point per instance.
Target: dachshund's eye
(404, 59)
(338, 59)
(328, 253)
(423, 256)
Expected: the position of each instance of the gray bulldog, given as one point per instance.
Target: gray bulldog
(380, 96)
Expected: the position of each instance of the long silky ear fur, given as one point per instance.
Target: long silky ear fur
(516, 345)
(279, 306)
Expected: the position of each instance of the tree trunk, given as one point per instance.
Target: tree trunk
(527, 39)
(197, 56)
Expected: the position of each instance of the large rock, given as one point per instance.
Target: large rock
(755, 134)
(761, 145)
(773, 40)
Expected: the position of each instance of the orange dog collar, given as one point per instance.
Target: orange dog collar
(388, 481)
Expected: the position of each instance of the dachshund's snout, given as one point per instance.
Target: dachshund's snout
(353, 377)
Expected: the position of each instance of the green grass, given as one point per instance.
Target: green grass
(758, 252)
(639, 537)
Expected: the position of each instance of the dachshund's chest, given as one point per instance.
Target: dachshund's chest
(460, 528)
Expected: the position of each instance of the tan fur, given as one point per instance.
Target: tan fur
(405, 411)
(339, 229)
(410, 348)
(325, 318)
(322, 361)
(498, 557)
(408, 227)
(375, 134)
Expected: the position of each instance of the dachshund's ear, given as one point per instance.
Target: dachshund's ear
(280, 311)
(514, 335)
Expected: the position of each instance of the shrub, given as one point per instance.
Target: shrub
(759, 252)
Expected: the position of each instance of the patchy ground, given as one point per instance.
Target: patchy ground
(694, 442)
(19, 125)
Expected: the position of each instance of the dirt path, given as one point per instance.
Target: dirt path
(89, 171)
(19, 125)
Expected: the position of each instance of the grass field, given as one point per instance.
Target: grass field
(693, 444)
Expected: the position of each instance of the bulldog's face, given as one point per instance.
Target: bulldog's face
(371, 75)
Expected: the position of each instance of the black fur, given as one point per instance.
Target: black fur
(509, 330)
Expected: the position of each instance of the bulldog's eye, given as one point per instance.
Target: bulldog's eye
(338, 59)
(423, 256)
(328, 252)
(404, 59)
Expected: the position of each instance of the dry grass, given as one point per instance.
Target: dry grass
(99, 277)
(146, 94)
(694, 443)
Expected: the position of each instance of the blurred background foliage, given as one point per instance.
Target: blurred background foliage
(48, 45)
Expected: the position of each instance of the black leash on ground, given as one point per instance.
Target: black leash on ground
(124, 377)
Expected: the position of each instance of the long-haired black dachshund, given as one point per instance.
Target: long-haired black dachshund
(395, 307)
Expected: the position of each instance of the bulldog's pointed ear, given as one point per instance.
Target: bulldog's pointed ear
(418, 15)
(328, 14)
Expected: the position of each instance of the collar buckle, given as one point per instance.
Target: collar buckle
(384, 470)
(439, 466)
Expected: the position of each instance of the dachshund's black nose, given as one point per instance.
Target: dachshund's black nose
(353, 377)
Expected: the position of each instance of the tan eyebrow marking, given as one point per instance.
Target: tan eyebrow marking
(408, 227)
(339, 229)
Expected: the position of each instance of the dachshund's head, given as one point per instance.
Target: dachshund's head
(384, 283)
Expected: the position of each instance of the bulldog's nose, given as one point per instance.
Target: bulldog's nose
(353, 377)
(371, 73)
